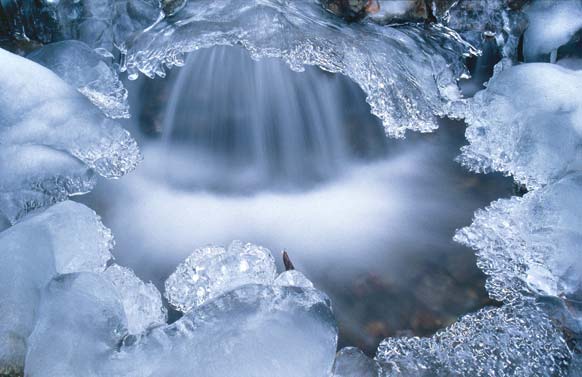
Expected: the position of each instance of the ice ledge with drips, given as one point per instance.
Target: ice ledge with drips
(409, 73)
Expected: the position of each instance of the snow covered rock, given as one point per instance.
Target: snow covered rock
(211, 271)
(527, 123)
(67, 237)
(551, 25)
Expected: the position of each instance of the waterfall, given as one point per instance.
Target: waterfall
(242, 124)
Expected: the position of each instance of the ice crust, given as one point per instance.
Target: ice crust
(52, 139)
(211, 271)
(408, 73)
(67, 237)
(527, 123)
(514, 340)
(530, 246)
(250, 331)
(352, 362)
(293, 278)
(142, 302)
(88, 71)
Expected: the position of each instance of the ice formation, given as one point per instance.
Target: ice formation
(52, 139)
(88, 71)
(238, 317)
(551, 25)
(408, 73)
(142, 303)
(251, 330)
(478, 21)
(527, 123)
(293, 278)
(514, 340)
(67, 237)
(352, 362)
(530, 246)
(210, 271)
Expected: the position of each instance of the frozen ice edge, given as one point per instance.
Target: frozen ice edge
(401, 90)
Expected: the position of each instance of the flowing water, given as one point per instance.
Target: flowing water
(242, 149)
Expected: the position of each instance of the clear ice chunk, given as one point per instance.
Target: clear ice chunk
(293, 278)
(514, 340)
(527, 123)
(551, 25)
(254, 330)
(142, 302)
(41, 112)
(409, 73)
(352, 362)
(88, 71)
(36, 176)
(530, 246)
(211, 271)
(80, 323)
(67, 237)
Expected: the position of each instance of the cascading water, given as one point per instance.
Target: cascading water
(240, 124)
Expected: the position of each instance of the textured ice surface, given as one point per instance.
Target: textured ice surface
(88, 71)
(477, 21)
(67, 237)
(551, 25)
(33, 176)
(50, 131)
(253, 330)
(514, 340)
(293, 278)
(531, 246)
(142, 302)
(80, 323)
(352, 362)
(527, 123)
(211, 271)
(408, 73)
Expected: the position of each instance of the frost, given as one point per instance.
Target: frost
(514, 340)
(408, 73)
(142, 302)
(551, 25)
(83, 68)
(65, 238)
(527, 123)
(254, 330)
(530, 246)
(52, 139)
(211, 271)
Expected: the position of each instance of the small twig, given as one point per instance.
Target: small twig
(287, 262)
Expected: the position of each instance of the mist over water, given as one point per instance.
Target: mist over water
(294, 161)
